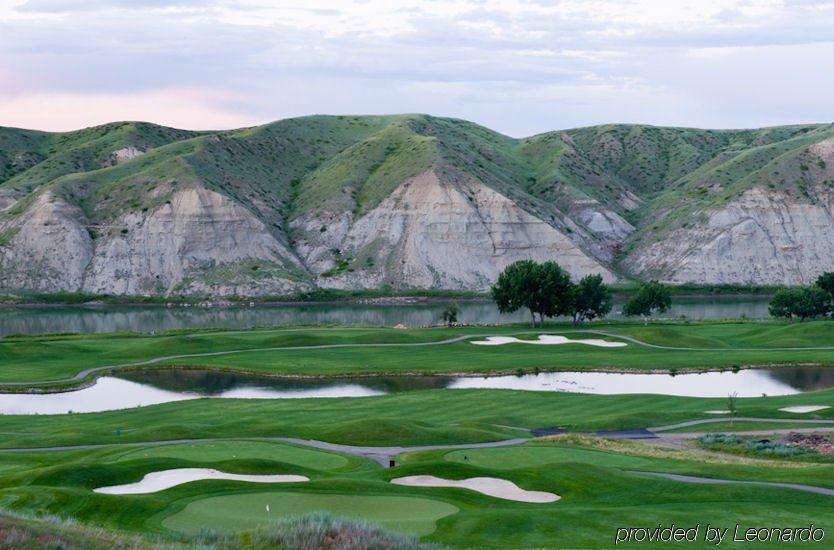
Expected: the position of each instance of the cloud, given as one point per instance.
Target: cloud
(66, 6)
(182, 108)
(518, 65)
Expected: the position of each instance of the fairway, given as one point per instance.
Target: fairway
(320, 352)
(240, 450)
(411, 515)
(602, 483)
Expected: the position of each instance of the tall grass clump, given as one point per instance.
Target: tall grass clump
(315, 531)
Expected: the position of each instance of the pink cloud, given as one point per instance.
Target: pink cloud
(189, 108)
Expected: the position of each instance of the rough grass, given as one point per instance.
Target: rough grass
(317, 531)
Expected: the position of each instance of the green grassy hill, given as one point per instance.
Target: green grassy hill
(637, 200)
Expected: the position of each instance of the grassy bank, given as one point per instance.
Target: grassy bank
(410, 418)
(313, 352)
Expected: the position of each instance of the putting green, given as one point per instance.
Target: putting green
(411, 515)
(232, 450)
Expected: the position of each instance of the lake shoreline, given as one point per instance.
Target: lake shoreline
(45, 388)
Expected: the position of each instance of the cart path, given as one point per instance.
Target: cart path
(726, 418)
(715, 481)
(85, 373)
(382, 455)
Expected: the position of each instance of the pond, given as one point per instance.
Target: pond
(166, 385)
(51, 320)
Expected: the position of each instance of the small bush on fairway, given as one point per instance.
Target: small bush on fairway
(734, 443)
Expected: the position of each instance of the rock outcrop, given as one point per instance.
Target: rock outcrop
(429, 234)
(47, 249)
(763, 237)
(198, 242)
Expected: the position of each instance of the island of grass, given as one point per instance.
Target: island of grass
(62, 361)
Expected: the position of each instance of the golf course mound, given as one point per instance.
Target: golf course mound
(159, 481)
(490, 486)
(547, 340)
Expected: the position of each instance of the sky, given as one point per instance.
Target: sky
(517, 66)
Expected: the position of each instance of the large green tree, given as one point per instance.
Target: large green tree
(804, 302)
(650, 298)
(556, 290)
(543, 289)
(826, 282)
(591, 299)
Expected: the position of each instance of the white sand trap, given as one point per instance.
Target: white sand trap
(159, 481)
(805, 408)
(717, 412)
(546, 340)
(491, 486)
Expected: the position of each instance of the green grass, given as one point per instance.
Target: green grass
(417, 516)
(239, 450)
(410, 418)
(705, 345)
(600, 483)
(596, 481)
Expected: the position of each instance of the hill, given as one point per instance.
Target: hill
(409, 201)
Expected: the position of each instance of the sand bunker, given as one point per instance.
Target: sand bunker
(804, 408)
(546, 340)
(717, 412)
(159, 481)
(491, 486)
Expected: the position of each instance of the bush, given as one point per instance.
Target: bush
(805, 302)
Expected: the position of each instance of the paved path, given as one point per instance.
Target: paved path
(714, 481)
(382, 455)
(82, 375)
(718, 419)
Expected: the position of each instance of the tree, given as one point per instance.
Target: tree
(516, 288)
(652, 296)
(805, 302)
(826, 282)
(543, 289)
(450, 314)
(591, 299)
(732, 407)
(556, 291)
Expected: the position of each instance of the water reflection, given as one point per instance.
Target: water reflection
(157, 318)
(166, 385)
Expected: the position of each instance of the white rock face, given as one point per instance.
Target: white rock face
(175, 248)
(432, 235)
(124, 154)
(606, 225)
(46, 249)
(763, 237)
(198, 229)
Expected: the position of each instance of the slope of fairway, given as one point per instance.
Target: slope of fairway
(239, 450)
(411, 515)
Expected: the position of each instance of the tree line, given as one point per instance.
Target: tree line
(546, 290)
(805, 302)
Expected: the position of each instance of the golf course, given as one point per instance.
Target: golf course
(436, 465)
